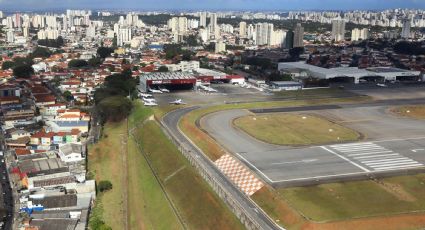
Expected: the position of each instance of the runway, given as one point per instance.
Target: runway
(393, 146)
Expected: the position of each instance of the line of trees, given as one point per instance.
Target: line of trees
(113, 100)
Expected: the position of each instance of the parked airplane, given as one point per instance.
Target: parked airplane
(145, 95)
(164, 90)
(178, 102)
(381, 85)
(150, 103)
(149, 99)
(155, 91)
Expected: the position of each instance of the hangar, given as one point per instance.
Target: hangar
(352, 74)
(185, 80)
(168, 80)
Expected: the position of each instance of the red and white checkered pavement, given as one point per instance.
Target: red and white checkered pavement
(239, 174)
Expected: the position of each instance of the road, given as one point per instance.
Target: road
(171, 121)
(6, 195)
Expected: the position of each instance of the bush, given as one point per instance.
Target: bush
(8, 65)
(104, 186)
(41, 52)
(23, 71)
(77, 63)
(104, 52)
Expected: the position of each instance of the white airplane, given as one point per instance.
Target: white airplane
(145, 95)
(381, 85)
(178, 102)
(164, 90)
(155, 91)
(150, 103)
(209, 89)
(149, 99)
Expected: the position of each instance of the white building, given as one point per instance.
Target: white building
(242, 29)
(70, 152)
(203, 19)
(357, 34)
(220, 47)
(123, 36)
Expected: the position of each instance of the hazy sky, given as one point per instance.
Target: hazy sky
(211, 4)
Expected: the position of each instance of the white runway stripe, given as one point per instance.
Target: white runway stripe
(383, 160)
(399, 167)
(369, 153)
(353, 144)
(393, 163)
(374, 156)
(358, 147)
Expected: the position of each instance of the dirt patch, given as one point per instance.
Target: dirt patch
(397, 191)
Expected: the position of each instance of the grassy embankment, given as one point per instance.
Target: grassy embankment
(147, 205)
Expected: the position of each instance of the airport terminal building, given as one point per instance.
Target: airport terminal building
(350, 74)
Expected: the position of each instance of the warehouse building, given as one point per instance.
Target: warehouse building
(348, 74)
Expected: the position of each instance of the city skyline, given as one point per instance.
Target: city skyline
(213, 5)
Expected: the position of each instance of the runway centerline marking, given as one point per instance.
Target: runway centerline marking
(306, 161)
(342, 157)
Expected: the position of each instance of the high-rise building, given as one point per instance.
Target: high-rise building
(242, 29)
(1, 14)
(18, 20)
(10, 36)
(178, 25)
(91, 31)
(357, 34)
(26, 31)
(220, 47)
(405, 32)
(214, 29)
(298, 39)
(203, 19)
(123, 35)
(338, 30)
(289, 41)
(263, 34)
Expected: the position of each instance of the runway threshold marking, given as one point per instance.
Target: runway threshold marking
(342, 157)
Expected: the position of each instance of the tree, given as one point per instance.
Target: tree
(94, 61)
(163, 69)
(104, 52)
(296, 52)
(68, 96)
(114, 109)
(104, 185)
(8, 65)
(77, 63)
(41, 52)
(23, 71)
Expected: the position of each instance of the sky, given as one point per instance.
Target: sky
(211, 4)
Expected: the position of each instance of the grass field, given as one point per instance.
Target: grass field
(147, 205)
(306, 94)
(105, 164)
(294, 129)
(414, 111)
(339, 201)
(199, 206)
